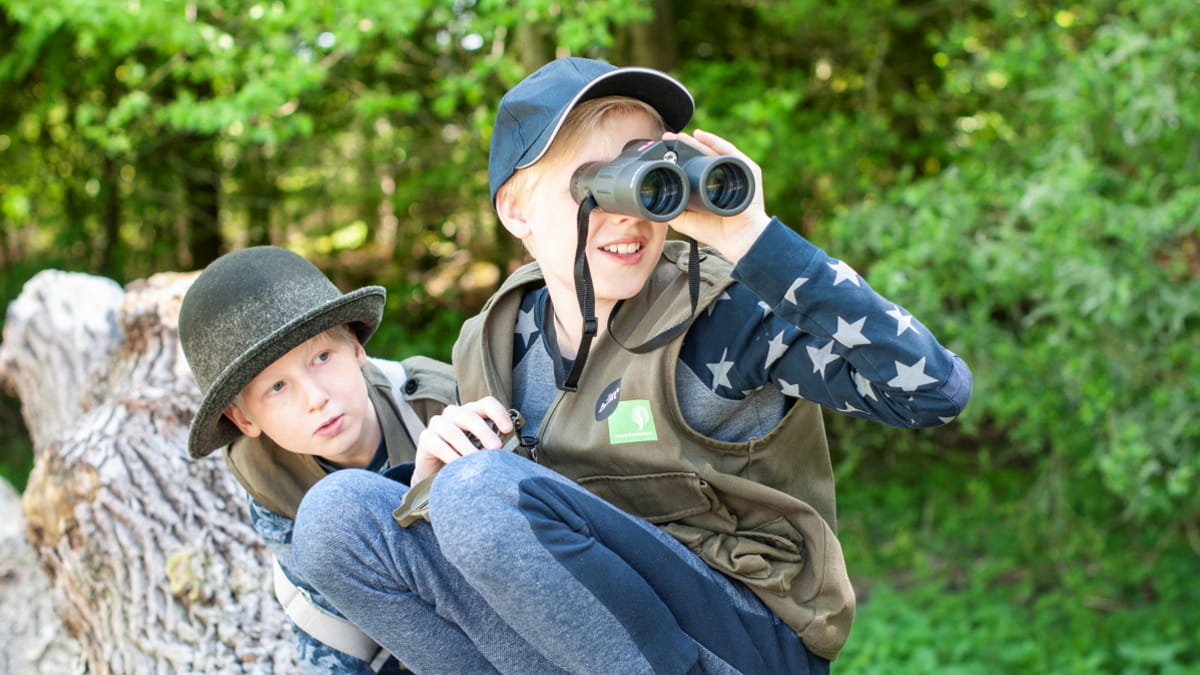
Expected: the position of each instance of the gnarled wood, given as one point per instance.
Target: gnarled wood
(153, 564)
(33, 637)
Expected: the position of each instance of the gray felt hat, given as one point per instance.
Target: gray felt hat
(247, 309)
(531, 113)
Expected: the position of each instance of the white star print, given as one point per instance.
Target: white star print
(788, 389)
(850, 334)
(903, 321)
(720, 371)
(864, 386)
(526, 327)
(844, 273)
(766, 309)
(822, 357)
(850, 409)
(946, 420)
(775, 349)
(909, 378)
(790, 296)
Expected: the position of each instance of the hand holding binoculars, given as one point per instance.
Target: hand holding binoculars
(657, 180)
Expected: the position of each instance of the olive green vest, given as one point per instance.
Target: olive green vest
(761, 511)
(278, 479)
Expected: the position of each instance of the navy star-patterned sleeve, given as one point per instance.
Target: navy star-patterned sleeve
(808, 324)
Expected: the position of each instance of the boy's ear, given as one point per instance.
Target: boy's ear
(512, 215)
(242, 422)
(360, 353)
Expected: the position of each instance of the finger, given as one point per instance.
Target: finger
(444, 442)
(477, 430)
(444, 433)
(718, 144)
(461, 426)
(688, 139)
(425, 464)
(492, 409)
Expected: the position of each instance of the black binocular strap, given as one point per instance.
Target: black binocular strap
(586, 295)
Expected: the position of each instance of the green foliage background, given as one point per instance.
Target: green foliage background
(1023, 175)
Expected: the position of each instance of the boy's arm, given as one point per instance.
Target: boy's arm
(821, 333)
(809, 325)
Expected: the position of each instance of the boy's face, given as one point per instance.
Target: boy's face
(622, 250)
(313, 401)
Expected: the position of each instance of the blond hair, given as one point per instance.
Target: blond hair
(583, 120)
(339, 333)
(342, 333)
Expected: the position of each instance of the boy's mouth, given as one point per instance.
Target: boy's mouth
(625, 248)
(331, 426)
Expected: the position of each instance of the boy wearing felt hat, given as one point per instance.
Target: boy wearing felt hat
(671, 505)
(291, 396)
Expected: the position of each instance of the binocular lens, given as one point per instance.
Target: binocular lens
(726, 187)
(661, 191)
(658, 180)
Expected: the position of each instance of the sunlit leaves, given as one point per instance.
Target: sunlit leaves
(1056, 246)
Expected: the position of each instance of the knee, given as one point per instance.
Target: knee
(476, 482)
(334, 514)
(476, 508)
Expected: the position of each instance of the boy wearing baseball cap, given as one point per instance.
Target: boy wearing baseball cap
(291, 396)
(678, 514)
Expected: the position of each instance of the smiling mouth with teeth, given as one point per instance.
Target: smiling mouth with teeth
(622, 249)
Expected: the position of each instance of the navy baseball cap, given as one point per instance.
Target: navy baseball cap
(532, 112)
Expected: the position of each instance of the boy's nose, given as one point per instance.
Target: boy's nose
(618, 218)
(314, 394)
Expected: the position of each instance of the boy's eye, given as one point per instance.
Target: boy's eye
(324, 356)
(276, 388)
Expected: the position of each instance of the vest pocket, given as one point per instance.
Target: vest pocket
(657, 498)
(769, 557)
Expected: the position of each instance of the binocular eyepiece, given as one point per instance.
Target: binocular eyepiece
(657, 180)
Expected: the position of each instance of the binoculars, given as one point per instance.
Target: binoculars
(657, 180)
(512, 440)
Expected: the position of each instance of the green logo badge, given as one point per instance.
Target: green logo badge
(631, 422)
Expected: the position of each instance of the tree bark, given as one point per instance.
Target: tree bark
(33, 637)
(152, 562)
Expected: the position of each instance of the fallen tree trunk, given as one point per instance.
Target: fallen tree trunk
(33, 637)
(152, 561)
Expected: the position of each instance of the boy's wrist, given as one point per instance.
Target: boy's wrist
(759, 268)
(743, 236)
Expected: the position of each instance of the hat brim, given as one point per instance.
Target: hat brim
(662, 92)
(362, 309)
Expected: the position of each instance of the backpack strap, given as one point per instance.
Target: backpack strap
(323, 625)
(398, 378)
